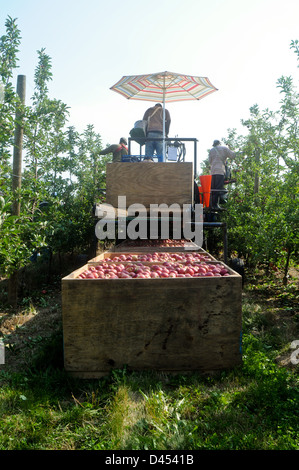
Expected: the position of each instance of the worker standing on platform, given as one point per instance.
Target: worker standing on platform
(154, 118)
(218, 156)
(118, 150)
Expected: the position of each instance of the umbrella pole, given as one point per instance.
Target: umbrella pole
(164, 143)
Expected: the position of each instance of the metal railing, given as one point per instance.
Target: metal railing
(170, 141)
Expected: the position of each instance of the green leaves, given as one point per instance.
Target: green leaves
(19, 237)
(42, 76)
(263, 205)
(9, 44)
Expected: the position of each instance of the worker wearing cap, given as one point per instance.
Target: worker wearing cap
(218, 156)
(118, 150)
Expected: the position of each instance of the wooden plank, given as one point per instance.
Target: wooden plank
(143, 183)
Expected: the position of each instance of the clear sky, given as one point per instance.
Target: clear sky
(242, 46)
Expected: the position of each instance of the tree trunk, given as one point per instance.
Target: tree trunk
(286, 269)
(16, 179)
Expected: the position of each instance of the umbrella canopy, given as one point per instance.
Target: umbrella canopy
(164, 87)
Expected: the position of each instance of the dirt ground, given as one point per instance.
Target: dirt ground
(25, 330)
(38, 317)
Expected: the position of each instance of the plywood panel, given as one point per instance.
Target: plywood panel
(149, 183)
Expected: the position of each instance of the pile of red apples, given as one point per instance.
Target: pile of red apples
(156, 243)
(154, 265)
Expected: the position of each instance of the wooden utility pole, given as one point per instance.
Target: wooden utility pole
(256, 175)
(18, 144)
(17, 177)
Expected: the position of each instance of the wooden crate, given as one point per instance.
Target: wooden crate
(171, 325)
(146, 183)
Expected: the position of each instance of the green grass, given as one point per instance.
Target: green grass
(252, 407)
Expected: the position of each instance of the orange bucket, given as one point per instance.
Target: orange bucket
(206, 188)
(200, 194)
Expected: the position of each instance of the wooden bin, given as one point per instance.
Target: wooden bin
(150, 183)
(171, 325)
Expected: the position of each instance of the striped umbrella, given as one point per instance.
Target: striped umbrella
(164, 87)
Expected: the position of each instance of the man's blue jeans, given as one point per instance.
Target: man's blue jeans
(152, 145)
